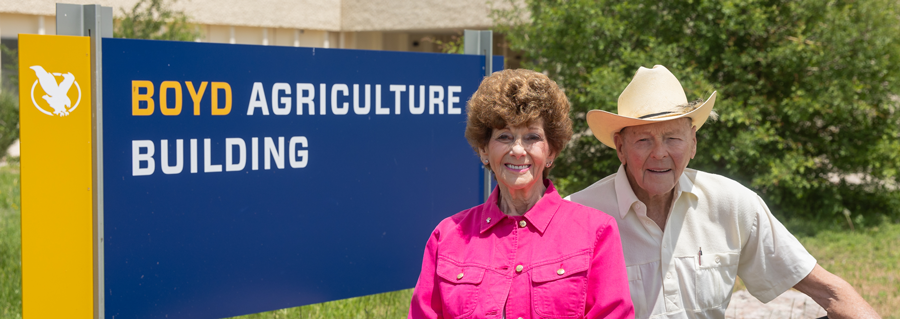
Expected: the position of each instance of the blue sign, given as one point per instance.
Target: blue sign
(240, 179)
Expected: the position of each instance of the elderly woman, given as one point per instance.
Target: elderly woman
(526, 252)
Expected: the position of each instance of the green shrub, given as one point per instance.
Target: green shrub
(155, 20)
(807, 90)
(9, 121)
(9, 68)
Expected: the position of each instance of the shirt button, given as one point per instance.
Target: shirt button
(717, 259)
(668, 276)
(520, 317)
(458, 277)
(519, 268)
(522, 223)
(560, 271)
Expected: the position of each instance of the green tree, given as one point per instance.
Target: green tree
(452, 44)
(9, 99)
(9, 120)
(807, 90)
(9, 68)
(155, 20)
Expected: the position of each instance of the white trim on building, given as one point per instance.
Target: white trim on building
(396, 25)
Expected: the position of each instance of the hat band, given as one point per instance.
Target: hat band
(654, 115)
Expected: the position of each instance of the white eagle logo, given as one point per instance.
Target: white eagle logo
(57, 94)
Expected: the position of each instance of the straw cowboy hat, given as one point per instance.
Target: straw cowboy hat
(654, 95)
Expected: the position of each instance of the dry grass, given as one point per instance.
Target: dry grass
(867, 259)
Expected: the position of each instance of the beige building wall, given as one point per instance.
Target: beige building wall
(396, 41)
(396, 25)
(399, 15)
(322, 15)
(11, 24)
(216, 34)
(296, 14)
(247, 35)
(312, 38)
(370, 40)
(325, 15)
(282, 37)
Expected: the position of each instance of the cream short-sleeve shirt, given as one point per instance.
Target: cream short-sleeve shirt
(717, 229)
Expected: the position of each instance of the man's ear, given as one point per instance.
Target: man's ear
(694, 140)
(619, 139)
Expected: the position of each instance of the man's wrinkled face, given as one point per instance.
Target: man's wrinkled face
(656, 154)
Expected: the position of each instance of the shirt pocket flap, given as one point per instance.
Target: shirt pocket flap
(634, 273)
(455, 272)
(719, 260)
(558, 269)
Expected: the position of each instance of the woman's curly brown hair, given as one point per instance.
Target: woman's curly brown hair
(515, 98)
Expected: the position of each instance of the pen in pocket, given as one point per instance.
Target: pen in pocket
(700, 256)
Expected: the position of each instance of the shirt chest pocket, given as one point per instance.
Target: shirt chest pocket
(558, 287)
(459, 284)
(714, 279)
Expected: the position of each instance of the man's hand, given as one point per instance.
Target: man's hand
(835, 295)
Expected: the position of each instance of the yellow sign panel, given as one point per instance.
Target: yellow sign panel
(55, 133)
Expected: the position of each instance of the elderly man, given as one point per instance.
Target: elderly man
(686, 234)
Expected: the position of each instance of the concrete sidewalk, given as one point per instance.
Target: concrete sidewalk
(13, 150)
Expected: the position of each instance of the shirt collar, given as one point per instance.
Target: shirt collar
(538, 216)
(625, 195)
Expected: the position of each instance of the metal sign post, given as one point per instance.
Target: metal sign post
(94, 21)
(481, 42)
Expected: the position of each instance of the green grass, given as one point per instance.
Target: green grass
(393, 304)
(10, 247)
(867, 258)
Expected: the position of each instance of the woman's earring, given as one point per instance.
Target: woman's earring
(549, 164)
(484, 160)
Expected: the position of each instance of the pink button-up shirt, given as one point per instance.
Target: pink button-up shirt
(559, 260)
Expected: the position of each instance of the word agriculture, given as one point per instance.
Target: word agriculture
(306, 96)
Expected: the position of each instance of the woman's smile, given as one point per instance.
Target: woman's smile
(518, 168)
